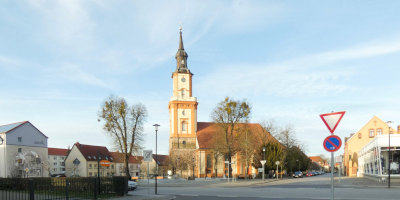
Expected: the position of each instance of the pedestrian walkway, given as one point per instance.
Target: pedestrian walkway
(146, 197)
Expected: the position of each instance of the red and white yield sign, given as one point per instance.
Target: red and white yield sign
(332, 120)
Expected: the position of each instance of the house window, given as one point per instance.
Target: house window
(90, 173)
(359, 135)
(90, 166)
(184, 126)
(379, 131)
(55, 157)
(112, 166)
(19, 150)
(55, 163)
(371, 132)
(20, 139)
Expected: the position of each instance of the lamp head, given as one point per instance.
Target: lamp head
(156, 126)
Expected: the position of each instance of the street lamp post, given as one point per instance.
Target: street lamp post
(388, 123)
(156, 128)
(193, 166)
(227, 162)
(263, 165)
(277, 164)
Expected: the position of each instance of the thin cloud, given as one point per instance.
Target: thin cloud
(305, 76)
(75, 73)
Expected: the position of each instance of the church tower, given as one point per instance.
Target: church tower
(183, 106)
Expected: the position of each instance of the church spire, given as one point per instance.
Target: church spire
(181, 56)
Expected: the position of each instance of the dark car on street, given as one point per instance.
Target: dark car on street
(298, 174)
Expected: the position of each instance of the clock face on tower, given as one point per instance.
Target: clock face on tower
(183, 79)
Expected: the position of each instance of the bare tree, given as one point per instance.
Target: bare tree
(124, 124)
(246, 146)
(227, 115)
(287, 137)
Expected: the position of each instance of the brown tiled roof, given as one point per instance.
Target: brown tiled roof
(162, 159)
(318, 159)
(57, 151)
(119, 158)
(206, 132)
(91, 152)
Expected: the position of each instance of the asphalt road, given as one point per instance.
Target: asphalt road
(297, 189)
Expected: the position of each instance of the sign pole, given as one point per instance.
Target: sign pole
(332, 179)
(332, 143)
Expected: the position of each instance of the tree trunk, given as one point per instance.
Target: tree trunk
(127, 167)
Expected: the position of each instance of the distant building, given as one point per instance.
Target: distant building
(134, 164)
(57, 161)
(369, 141)
(374, 160)
(323, 164)
(23, 151)
(82, 161)
(162, 162)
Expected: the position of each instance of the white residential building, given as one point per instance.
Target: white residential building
(57, 161)
(134, 163)
(23, 151)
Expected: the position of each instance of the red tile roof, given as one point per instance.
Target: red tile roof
(91, 152)
(119, 158)
(162, 159)
(318, 159)
(206, 132)
(57, 151)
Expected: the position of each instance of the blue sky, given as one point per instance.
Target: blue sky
(292, 60)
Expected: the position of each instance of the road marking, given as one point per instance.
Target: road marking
(189, 195)
(228, 196)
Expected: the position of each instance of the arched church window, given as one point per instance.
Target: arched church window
(208, 161)
(184, 126)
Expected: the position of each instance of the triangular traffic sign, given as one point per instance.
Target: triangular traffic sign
(332, 120)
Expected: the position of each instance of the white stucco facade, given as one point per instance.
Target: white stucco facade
(23, 152)
(374, 157)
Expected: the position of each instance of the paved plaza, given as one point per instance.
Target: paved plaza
(302, 188)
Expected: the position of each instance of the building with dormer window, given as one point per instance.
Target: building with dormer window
(83, 161)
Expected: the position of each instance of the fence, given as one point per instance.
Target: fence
(62, 188)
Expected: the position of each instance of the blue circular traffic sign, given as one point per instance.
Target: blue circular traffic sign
(332, 143)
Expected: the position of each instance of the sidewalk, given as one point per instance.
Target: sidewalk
(205, 182)
(147, 197)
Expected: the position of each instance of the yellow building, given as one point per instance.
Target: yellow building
(82, 161)
(190, 140)
(357, 141)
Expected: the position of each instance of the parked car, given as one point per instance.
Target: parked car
(314, 173)
(132, 185)
(298, 174)
(309, 174)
